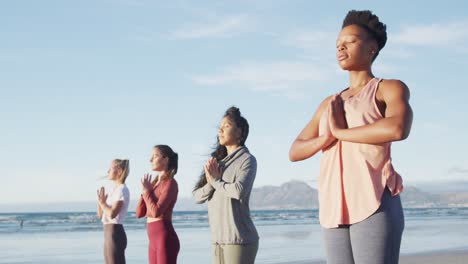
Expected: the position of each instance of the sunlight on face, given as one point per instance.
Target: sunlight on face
(158, 161)
(114, 171)
(228, 133)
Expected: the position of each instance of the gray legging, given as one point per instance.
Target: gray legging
(375, 240)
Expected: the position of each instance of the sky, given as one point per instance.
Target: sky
(84, 82)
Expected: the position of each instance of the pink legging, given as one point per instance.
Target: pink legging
(163, 243)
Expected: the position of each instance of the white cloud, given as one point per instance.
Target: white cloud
(284, 77)
(458, 170)
(450, 35)
(226, 27)
(312, 40)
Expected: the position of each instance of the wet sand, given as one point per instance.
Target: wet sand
(439, 257)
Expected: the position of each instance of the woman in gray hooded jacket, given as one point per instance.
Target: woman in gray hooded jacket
(226, 183)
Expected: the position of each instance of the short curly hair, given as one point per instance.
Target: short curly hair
(370, 22)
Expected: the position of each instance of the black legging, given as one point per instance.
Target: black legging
(115, 242)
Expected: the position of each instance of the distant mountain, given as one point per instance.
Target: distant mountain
(295, 195)
(291, 195)
(440, 186)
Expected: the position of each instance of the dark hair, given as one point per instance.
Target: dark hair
(370, 22)
(220, 152)
(173, 157)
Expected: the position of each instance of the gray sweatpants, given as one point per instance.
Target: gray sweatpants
(375, 240)
(235, 254)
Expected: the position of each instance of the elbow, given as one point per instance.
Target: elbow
(292, 155)
(157, 214)
(114, 215)
(199, 201)
(154, 212)
(237, 195)
(139, 214)
(400, 133)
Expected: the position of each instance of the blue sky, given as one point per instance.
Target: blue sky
(83, 82)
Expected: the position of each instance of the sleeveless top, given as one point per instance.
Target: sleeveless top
(353, 176)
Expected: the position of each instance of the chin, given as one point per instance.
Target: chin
(345, 67)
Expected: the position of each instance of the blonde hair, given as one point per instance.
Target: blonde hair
(124, 165)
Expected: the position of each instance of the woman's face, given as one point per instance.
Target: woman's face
(114, 171)
(158, 161)
(355, 49)
(228, 133)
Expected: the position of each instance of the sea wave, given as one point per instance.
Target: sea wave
(88, 221)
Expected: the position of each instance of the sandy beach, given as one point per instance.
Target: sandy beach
(445, 257)
(442, 257)
(431, 236)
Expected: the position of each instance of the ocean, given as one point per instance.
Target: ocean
(285, 236)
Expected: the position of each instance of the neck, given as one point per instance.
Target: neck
(358, 79)
(231, 148)
(163, 175)
(117, 182)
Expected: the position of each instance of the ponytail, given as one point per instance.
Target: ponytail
(124, 165)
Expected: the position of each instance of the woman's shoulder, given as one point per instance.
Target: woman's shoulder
(392, 87)
(248, 157)
(122, 189)
(324, 104)
(392, 83)
(171, 183)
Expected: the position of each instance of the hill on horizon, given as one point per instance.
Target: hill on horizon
(292, 195)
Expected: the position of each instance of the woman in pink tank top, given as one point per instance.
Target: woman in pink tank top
(360, 209)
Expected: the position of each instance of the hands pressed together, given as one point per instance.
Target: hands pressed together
(146, 183)
(212, 170)
(101, 195)
(336, 118)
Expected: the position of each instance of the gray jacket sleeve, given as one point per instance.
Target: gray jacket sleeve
(202, 194)
(243, 182)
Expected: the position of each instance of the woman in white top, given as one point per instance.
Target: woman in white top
(112, 209)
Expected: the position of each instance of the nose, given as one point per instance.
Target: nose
(340, 47)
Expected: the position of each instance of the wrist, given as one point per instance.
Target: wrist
(339, 133)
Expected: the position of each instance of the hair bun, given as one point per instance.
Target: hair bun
(233, 111)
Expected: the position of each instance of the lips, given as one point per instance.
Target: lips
(342, 56)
